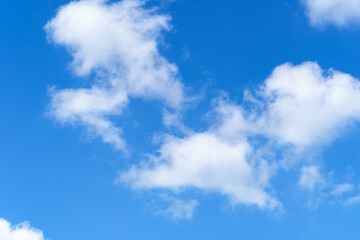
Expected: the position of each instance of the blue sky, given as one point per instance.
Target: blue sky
(179, 119)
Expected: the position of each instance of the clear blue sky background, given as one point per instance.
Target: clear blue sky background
(63, 183)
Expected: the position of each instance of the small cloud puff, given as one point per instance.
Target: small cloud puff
(337, 12)
(22, 231)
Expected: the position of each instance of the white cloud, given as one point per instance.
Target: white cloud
(22, 231)
(337, 12)
(212, 161)
(305, 107)
(179, 209)
(119, 43)
(90, 107)
(311, 178)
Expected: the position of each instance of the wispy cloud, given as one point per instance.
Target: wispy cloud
(321, 188)
(179, 209)
(340, 189)
(353, 200)
(311, 178)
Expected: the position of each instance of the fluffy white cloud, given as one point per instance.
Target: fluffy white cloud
(338, 12)
(90, 107)
(20, 232)
(311, 178)
(305, 107)
(119, 43)
(213, 161)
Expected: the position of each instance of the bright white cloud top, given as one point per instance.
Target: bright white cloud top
(305, 106)
(20, 232)
(337, 12)
(119, 43)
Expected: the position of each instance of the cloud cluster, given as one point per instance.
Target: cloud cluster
(296, 109)
(22, 231)
(118, 42)
(337, 12)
